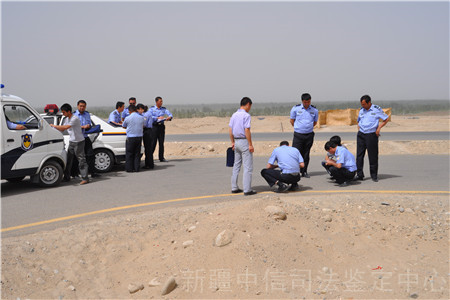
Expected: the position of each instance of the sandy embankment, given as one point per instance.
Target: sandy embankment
(330, 246)
(281, 124)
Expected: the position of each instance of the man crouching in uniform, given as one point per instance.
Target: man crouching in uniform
(290, 161)
(343, 168)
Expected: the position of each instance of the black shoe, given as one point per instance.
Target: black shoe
(344, 184)
(95, 175)
(252, 192)
(237, 191)
(305, 174)
(282, 188)
(66, 179)
(294, 187)
(163, 160)
(359, 178)
(149, 168)
(374, 179)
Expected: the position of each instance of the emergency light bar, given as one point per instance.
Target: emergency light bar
(51, 109)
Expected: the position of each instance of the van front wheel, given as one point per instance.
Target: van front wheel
(50, 174)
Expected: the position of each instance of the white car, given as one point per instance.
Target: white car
(108, 144)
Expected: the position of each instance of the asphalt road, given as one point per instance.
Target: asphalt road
(23, 203)
(319, 136)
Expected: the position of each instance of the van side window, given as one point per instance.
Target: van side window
(20, 115)
(50, 120)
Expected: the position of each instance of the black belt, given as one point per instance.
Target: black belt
(240, 138)
(293, 174)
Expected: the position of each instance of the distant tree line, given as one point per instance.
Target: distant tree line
(283, 109)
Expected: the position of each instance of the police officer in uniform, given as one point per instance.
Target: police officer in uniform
(241, 143)
(369, 128)
(289, 161)
(343, 168)
(159, 113)
(303, 118)
(85, 120)
(115, 117)
(134, 124)
(148, 139)
(126, 112)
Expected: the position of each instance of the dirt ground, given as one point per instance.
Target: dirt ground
(380, 246)
(329, 246)
(438, 122)
(281, 124)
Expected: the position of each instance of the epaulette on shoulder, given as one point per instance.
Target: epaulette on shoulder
(361, 108)
(313, 106)
(162, 107)
(298, 105)
(376, 106)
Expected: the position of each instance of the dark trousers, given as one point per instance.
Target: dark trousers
(272, 176)
(324, 164)
(90, 155)
(76, 152)
(367, 141)
(341, 174)
(148, 145)
(303, 142)
(159, 132)
(90, 158)
(133, 154)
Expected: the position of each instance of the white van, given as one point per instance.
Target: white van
(29, 145)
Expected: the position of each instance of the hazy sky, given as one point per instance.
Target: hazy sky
(202, 52)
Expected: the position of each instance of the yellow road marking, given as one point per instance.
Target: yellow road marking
(204, 197)
(380, 192)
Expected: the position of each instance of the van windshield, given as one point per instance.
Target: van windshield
(19, 114)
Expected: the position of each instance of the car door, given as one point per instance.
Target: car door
(24, 148)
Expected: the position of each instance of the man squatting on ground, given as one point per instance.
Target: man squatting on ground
(134, 124)
(337, 140)
(304, 117)
(290, 161)
(241, 142)
(76, 143)
(344, 168)
(369, 127)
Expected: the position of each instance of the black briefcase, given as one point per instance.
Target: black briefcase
(230, 157)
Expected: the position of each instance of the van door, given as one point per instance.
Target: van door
(24, 148)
